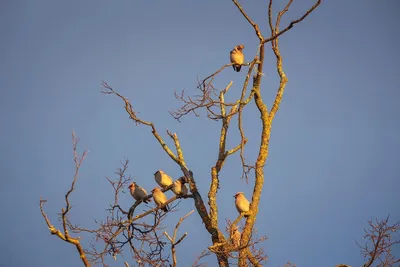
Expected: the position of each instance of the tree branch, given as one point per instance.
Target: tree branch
(199, 204)
(173, 240)
(266, 118)
(294, 22)
(64, 212)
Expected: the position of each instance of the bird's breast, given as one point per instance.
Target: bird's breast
(237, 57)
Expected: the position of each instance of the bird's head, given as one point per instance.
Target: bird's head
(132, 185)
(182, 179)
(159, 171)
(156, 189)
(240, 47)
(238, 194)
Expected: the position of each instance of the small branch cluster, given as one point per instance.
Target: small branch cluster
(121, 228)
(380, 242)
(117, 230)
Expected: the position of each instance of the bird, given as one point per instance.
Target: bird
(237, 57)
(160, 198)
(242, 204)
(138, 192)
(235, 236)
(162, 179)
(179, 188)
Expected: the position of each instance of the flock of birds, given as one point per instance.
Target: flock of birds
(179, 188)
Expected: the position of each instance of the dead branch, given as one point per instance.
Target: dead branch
(137, 120)
(64, 211)
(222, 155)
(379, 244)
(242, 103)
(207, 98)
(291, 24)
(118, 185)
(173, 240)
(203, 100)
(203, 254)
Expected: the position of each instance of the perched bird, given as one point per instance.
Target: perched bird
(242, 204)
(159, 198)
(138, 192)
(162, 179)
(237, 57)
(179, 188)
(235, 236)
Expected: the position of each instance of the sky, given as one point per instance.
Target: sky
(333, 158)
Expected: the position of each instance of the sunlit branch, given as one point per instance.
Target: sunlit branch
(202, 255)
(294, 22)
(132, 114)
(222, 154)
(173, 240)
(243, 139)
(266, 118)
(255, 26)
(64, 211)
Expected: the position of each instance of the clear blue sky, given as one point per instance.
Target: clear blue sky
(333, 161)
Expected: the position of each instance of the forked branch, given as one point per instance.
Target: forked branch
(174, 242)
(137, 120)
(64, 211)
(292, 23)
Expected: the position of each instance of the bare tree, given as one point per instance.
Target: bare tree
(141, 232)
(143, 235)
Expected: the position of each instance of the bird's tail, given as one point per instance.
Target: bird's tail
(166, 208)
(238, 67)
